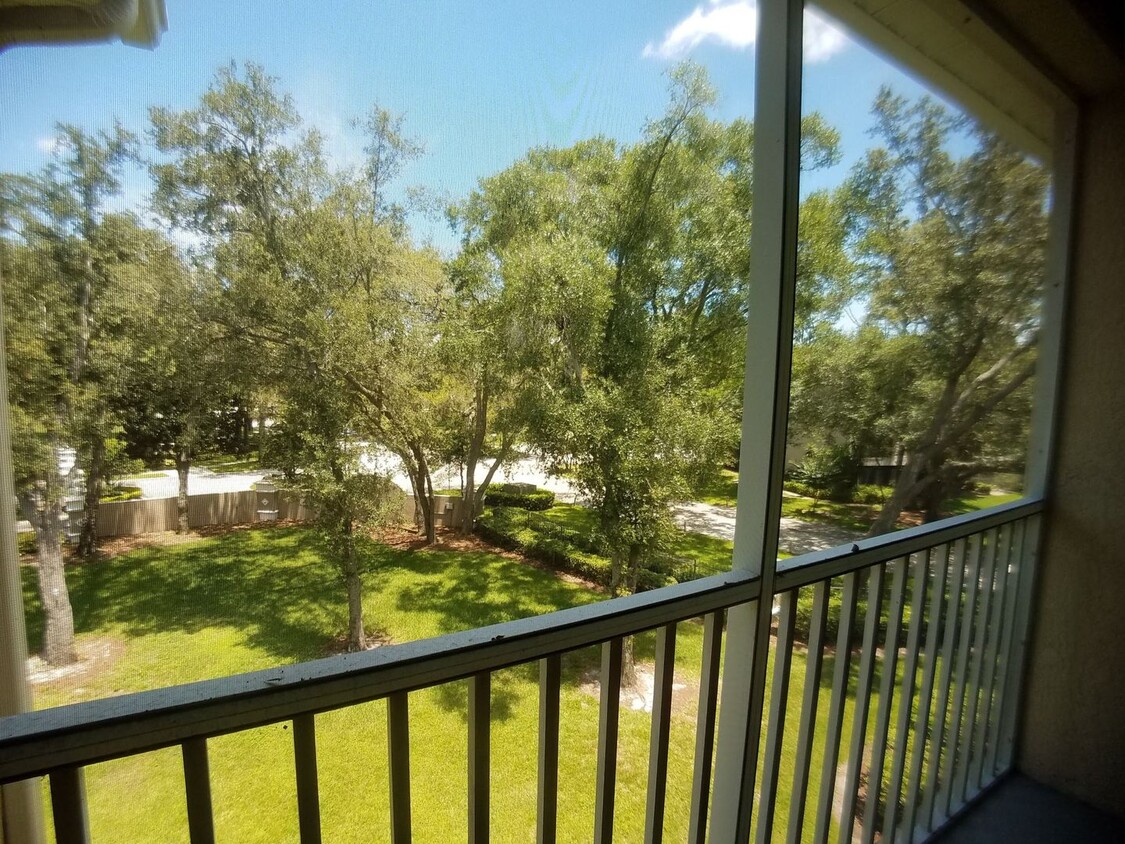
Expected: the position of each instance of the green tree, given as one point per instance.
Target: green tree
(314, 442)
(313, 261)
(68, 219)
(950, 254)
(179, 379)
(73, 315)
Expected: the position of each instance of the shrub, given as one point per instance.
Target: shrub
(828, 472)
(807, 490)
(518, 495)
(555, 546)
(26, 542)
(120, 492)
(871, 494)
(980, 488)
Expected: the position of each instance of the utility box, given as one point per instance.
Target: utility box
(266, 491)
(75, 501)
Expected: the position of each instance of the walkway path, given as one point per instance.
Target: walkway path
(797, 536)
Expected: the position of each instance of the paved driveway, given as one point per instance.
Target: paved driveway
(797, 535)
(200, 482)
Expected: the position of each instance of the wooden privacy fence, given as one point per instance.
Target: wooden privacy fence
(126, 518)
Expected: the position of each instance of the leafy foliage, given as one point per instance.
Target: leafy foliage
(949, 254)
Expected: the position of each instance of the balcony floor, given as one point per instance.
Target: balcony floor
(1020, 809)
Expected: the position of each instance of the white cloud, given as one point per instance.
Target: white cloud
(47, 145)
(322, 105)
(822, 39)
(731, 24)
(735, 25)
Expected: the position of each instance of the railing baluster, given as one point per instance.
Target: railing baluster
(705, 726)
(660, 734)
(1028, 556)
(876, 576)
(961, 792)
(920, 581)
(68, 806)
(935, 775)
(480, 737)
(926, 693)
(806, 730)
(957, 751)
(197, 782)
(883, 712)
(836, 706)
(308, 789)
(398, 739)
(608, 719)
(1011, 595)
(992, 647)
(550, 677)
(779, 697)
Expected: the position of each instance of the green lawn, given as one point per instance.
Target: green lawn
(972, 503)
(722, 490)
(227, 463)
(256, 598)
(252, 599)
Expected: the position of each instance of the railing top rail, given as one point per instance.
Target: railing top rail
(34, 743)
(821, 565)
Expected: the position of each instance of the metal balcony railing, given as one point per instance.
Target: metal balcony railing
(913, 647)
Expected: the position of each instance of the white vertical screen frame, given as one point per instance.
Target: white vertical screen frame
(21, 810)
(1044, 409)
(765, 407)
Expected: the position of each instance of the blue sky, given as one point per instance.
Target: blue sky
(478, 84)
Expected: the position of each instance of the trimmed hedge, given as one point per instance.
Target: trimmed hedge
(862, 494)
(517, 495)
(120, 492)
(807, 490)
(555, 546)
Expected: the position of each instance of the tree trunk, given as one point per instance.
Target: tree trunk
(44, 509)
(183, 470)
(628, 664)
(357, 638)
(908, 485)
(476, 500)
(261, 432)
(933, 497)
(247, 430)
(424, 494)
(88, 539)
(469, 494)
(476, 446)
(629, 581)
